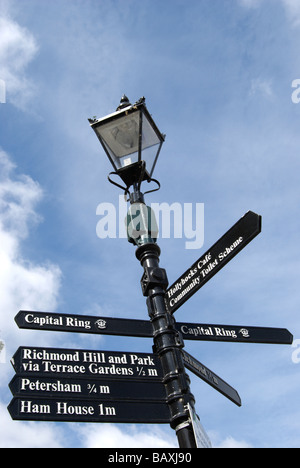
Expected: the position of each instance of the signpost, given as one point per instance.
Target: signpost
(54, 409)
(143, 328)
(234, 333)
(83, 324)
(211, 378)
(201, 437)
(72, 385)
(86, 388)
(243, 232)
(86, 363)
(54, 384)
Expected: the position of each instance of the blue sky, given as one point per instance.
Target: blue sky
(217, 77)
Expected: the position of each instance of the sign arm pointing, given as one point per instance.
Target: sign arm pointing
(224, 250)
(143, 328)
(211, 378)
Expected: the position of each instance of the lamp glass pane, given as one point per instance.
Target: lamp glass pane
(149, 156)
(121, 135)
(150, 137)
(150, 144)
(121, 161)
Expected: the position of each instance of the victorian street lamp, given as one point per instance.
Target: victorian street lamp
(132, 142)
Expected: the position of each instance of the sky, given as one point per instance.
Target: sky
(221, 80)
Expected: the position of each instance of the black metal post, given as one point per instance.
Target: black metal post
(168, 342)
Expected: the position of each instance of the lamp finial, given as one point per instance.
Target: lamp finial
(124, 102)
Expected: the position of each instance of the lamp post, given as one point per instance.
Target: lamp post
(132, 143)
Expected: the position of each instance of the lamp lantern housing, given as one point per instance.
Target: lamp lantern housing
(131, 140)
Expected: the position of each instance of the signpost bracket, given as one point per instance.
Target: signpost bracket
(152, 277)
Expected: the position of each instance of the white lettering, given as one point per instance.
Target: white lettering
(120, 458)
(57, 386)
(198, 233)
(209, 268)
(66, 408)
(223, 332)
(74, 322)
(2, 92)
(204, 261)
(46, 320)
(110, 370)
(144, 361)
(107, 226)
(63, 368)
(296, 93)
(173, 219)
(197, 331)
(230, 249)
(29, 407)
(106, 410)
(296, 353)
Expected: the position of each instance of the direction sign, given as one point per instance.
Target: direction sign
(143, 328)
(40, 409)
(86, 363)
(234, 333)
(83, 388)
(201, 438)
(83, 324)
(211, 378)
(243, 232)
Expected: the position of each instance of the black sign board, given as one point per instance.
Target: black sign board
(84, 388)
(83, 324)
(211, 378)
(143, 328)
(246, 229)
(234, 333)
(85, 363)
(62, 409)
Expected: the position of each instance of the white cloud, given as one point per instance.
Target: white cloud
(250, 3)
(111, 436)
(23, 284)
(228, 442)
(292, 8)
(17, 49)
(293, 11)
(261, 87)
(18, 198)
(17, 434)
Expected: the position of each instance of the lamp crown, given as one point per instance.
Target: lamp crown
(124, 103)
